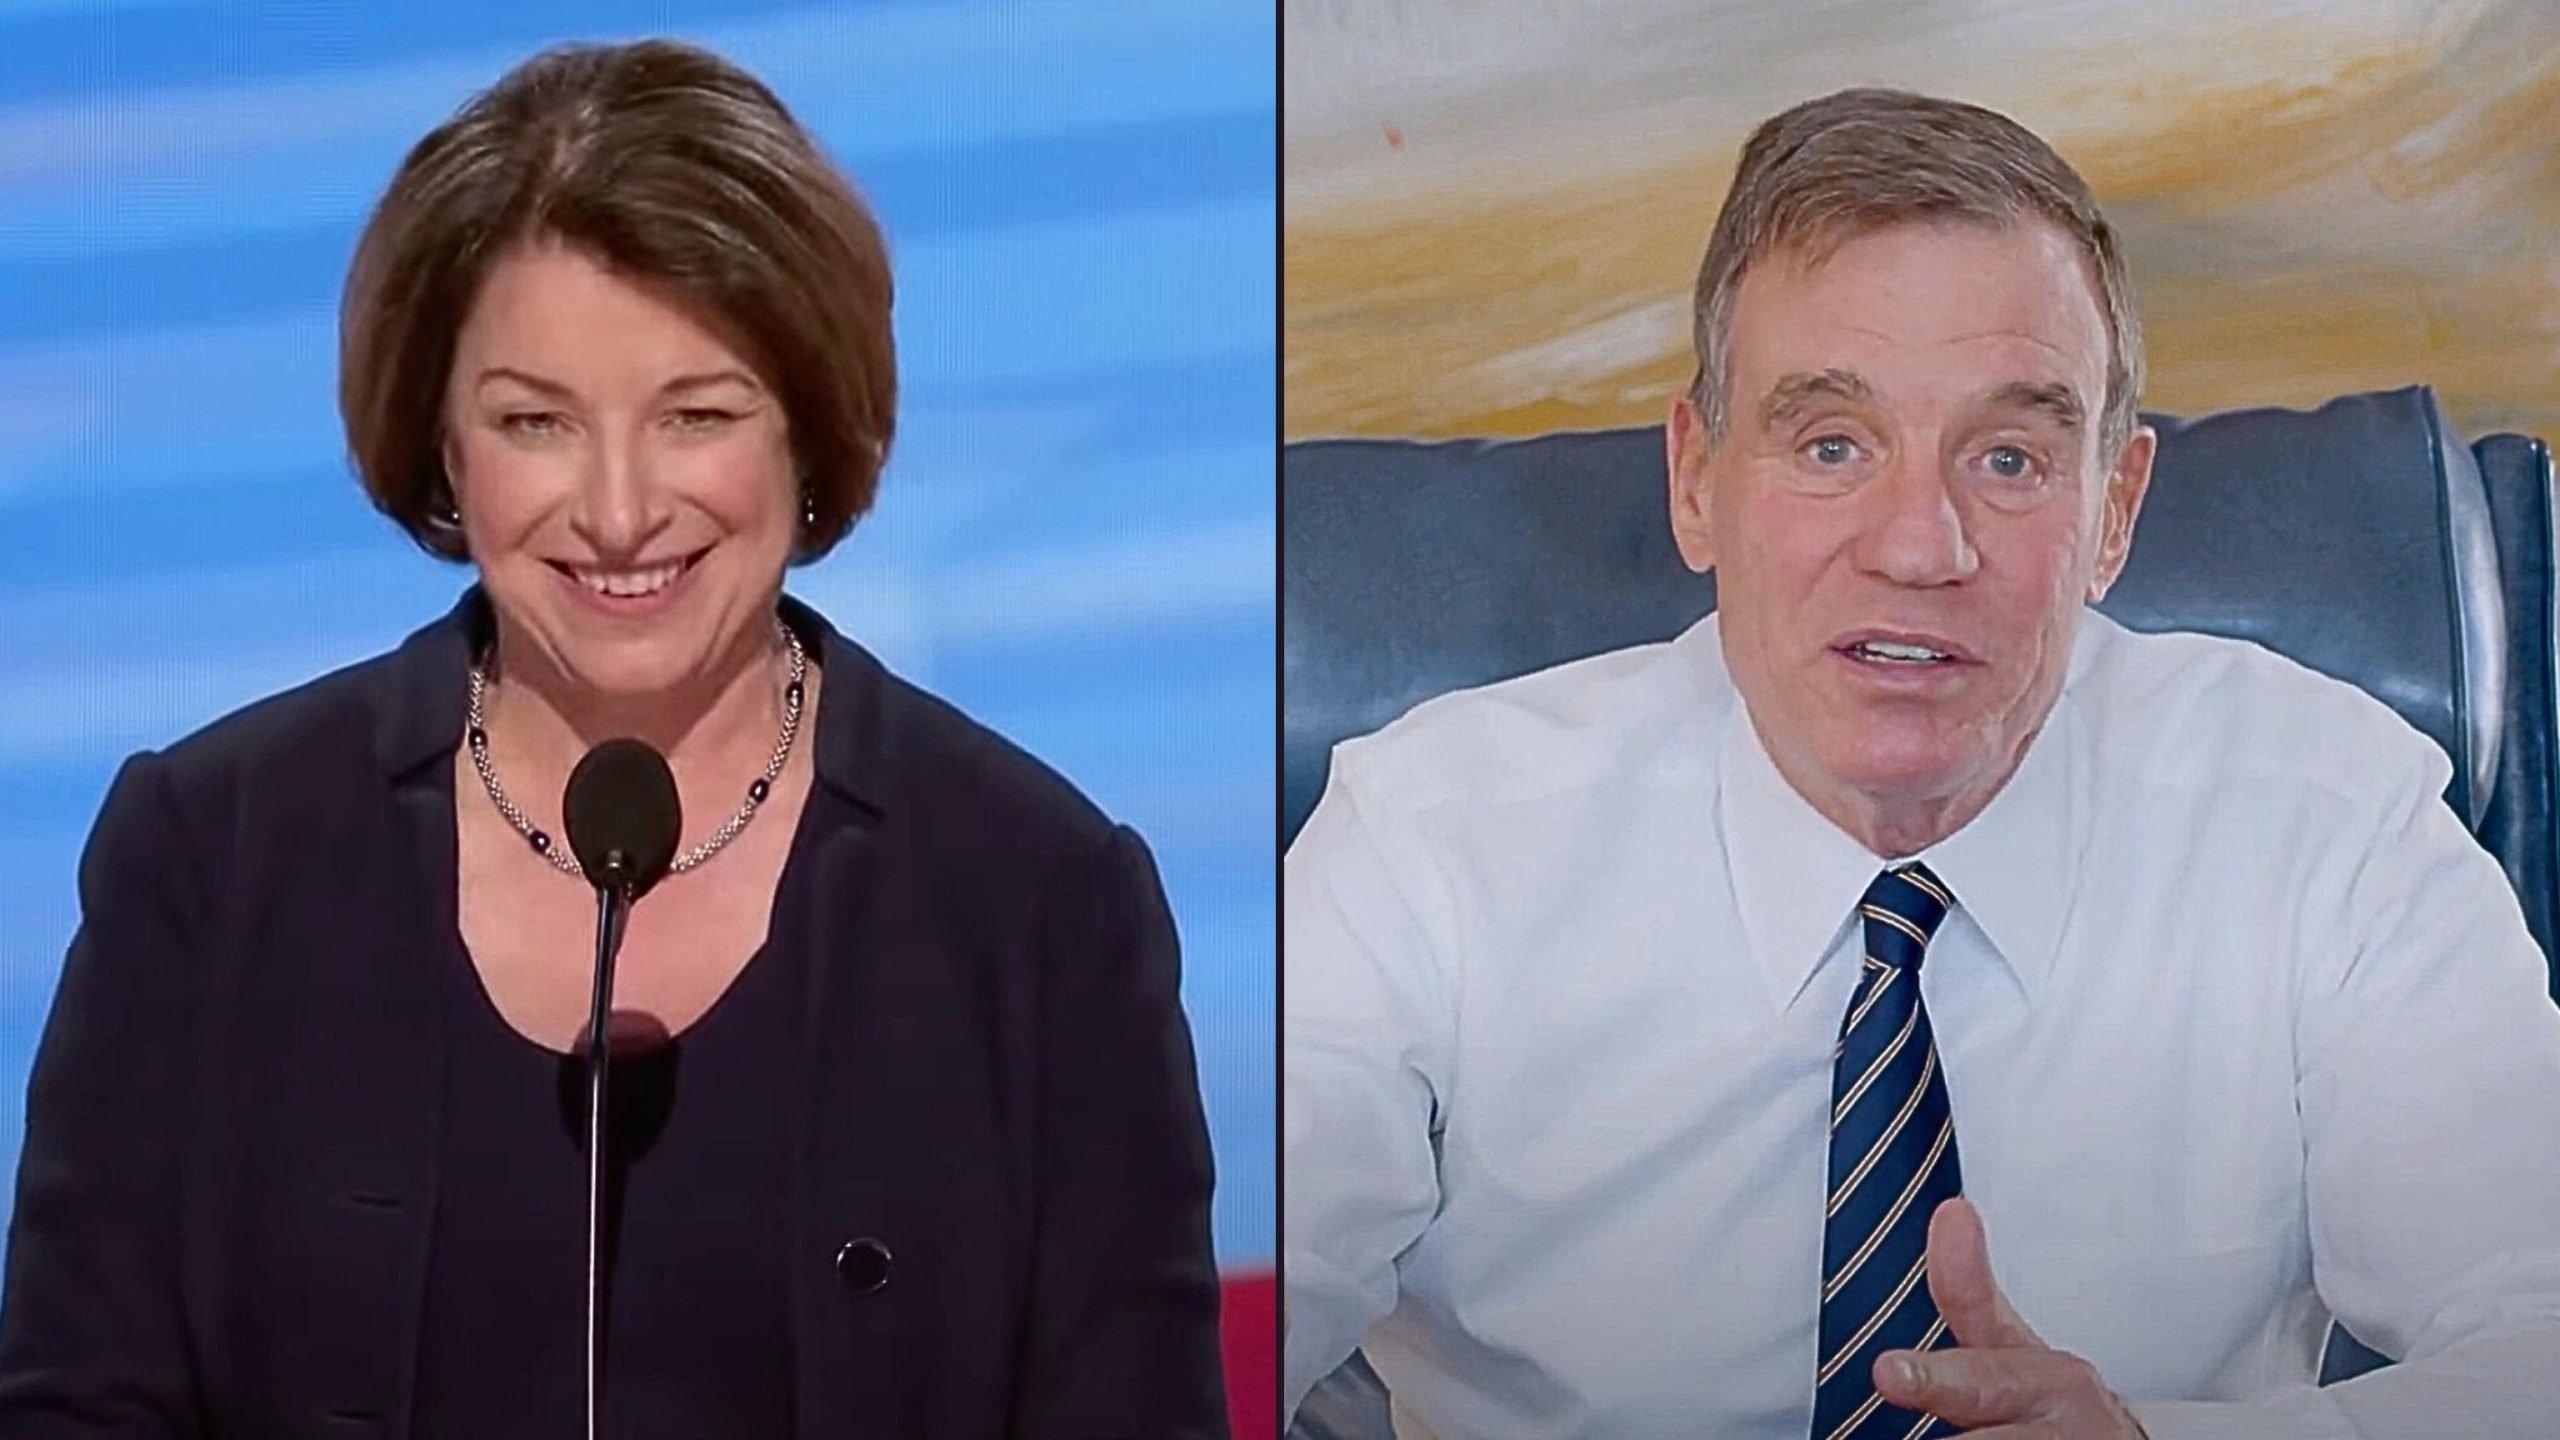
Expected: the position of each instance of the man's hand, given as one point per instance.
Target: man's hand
(2005, 1383)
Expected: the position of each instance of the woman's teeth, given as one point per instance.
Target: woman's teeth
(629, 584)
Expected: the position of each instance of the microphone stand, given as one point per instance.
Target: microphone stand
(613, 906)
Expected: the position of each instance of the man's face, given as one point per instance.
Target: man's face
(1907, 511)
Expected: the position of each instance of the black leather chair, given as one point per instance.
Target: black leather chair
(2362, 538)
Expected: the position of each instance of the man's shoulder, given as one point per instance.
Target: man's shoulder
(1573, 724)
(2228, 710)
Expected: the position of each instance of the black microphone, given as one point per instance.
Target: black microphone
(622, 816)
(623, 819)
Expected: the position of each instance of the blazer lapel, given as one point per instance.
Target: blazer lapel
(373, 1171)
(371, 1194)
(837, 1181)
(832, 1178)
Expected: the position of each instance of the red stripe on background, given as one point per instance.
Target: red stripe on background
(1249, 1329)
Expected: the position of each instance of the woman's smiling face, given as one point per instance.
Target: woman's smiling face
(624, 475)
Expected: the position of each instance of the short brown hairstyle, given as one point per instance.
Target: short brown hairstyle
(665, 162)
(1833, 169)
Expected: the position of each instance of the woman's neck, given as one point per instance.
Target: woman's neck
(716, 730)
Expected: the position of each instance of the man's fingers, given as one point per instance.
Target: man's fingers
(1983, 1387)
(1960, 1280)
(1987, 1387)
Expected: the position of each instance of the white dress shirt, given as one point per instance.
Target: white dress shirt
(2241, 1030)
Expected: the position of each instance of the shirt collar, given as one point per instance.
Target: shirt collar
(1797, 877)
(2012, 869)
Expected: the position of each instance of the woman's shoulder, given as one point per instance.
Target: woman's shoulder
(251, 795)
(366, 714)
(953, 762)
(927, 763)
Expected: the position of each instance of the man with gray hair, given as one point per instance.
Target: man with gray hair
(1674, 1039)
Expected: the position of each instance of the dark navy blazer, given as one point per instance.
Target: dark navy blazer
(224, 1204)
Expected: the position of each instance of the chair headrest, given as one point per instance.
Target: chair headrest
(2354, 537)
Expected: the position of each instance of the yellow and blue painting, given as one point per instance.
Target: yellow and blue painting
(1495, 209)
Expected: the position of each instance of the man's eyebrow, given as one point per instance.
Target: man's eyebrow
(1794, 394)
(2055, 400)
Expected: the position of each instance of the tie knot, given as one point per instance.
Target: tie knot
(1902, 909)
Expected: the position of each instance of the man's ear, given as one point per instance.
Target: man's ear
(1684, 447)
(2127, 483)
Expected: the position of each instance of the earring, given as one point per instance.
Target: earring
(443, 505)
(808, 509)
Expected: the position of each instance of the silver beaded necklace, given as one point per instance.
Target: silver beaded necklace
(476, 734)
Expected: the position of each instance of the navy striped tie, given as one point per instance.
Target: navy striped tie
(1893, 1158)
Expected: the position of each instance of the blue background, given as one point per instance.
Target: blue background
(1075, 535)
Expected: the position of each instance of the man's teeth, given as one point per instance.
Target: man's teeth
(627, 584)
(1892, 650)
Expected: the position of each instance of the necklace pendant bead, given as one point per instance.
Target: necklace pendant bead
(541, 843)
(757, 791)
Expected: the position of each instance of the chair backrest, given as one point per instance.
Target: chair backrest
(2524, 801)
(2361, 538)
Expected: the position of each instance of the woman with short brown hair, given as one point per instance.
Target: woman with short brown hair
(911, 1142)
(660, 161)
